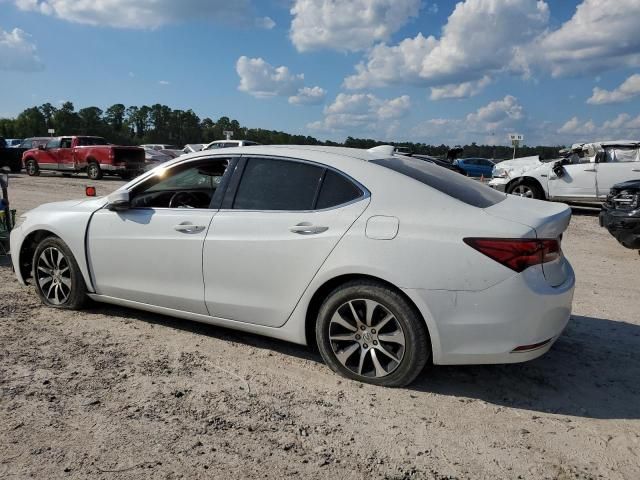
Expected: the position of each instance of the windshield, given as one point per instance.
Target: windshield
(469, 191)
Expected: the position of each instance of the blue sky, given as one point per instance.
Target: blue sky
(434, 72)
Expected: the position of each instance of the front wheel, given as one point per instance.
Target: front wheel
(526, 189)
(370, 333)
(31, 166)
(58, 279)
(94, 172)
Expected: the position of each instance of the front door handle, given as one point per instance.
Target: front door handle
(307, 229)
(590, 170)
(635, 169)
(189, 228)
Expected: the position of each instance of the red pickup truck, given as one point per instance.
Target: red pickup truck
(93, 155)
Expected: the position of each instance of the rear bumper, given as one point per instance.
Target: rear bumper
(486, 327)
(122, 168)
(624, 226)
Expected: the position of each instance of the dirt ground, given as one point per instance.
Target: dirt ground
(116, 393)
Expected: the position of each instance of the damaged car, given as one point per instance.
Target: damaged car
(621, 213)
(584, 175)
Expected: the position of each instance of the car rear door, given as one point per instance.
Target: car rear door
(152, 252)
(280, 220)
(618, 165)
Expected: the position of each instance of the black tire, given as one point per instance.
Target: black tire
(527, 189)
(66, 288)
(409, 359)
(32, 168)
(94, 172)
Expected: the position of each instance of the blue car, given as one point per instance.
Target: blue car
(475, 167)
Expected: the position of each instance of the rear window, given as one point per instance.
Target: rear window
(450, 183)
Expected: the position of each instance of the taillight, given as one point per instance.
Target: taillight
(517, 253)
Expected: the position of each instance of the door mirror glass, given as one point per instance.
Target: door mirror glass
(118, 200)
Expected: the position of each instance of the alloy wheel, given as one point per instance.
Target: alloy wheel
(523, 191)
(367, 338)
(53, 274)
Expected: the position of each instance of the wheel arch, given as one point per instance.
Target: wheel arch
(526, 179)
(321, 293)
(27, 249)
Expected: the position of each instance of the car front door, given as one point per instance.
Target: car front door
(48, 157)
(279, 222)
(151, 253)
(578, 181)
(617, 165)
(65, 154)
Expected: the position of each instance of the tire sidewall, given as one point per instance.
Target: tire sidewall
(93, 171)
(77, 297)
(417, 346)
(31, 166)
(535, 189)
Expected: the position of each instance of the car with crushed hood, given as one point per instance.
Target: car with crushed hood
(621, 213)
(585, 175)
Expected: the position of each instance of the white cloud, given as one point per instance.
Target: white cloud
(361, 112)
(627, 90)
(488, 124)
(308, 96)
(260, 79)
(460, 90)
(481, 38)
(17, 52)
(574, 126)
(144, 14)
(263, 80)
(347, 25)
(164, 82)
(602, 34)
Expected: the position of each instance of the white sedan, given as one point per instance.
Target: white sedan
(384, 262)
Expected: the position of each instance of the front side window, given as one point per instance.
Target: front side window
(53, 143)
(622, 155)
(191, 185)
(65, 143)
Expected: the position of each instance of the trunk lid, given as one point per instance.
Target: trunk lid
(548, 220)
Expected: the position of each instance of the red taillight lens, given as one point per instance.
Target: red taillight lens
(516, 253)
(90, 191)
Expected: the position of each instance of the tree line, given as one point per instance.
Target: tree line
(158, 123)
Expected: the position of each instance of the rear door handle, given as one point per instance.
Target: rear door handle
(189, 228)
(307, 229)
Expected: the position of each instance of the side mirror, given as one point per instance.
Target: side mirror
(42, 147)
(118, 201)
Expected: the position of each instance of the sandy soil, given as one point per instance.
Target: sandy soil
(115, 393)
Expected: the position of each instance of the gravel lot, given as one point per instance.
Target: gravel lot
(116, 393)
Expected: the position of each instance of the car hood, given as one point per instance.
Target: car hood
(517, 166)
(628, 185)
(82, 205)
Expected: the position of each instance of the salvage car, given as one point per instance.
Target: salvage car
(383, 261)
(93, 155)
(585, 176)
(621, 213)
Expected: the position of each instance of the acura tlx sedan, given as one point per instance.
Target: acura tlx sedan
(384, 262)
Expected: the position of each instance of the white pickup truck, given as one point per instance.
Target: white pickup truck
(585, 176)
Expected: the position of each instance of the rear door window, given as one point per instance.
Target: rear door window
(450, 183)
(270, 184)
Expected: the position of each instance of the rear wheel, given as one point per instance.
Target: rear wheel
(58, 279)
(369, 332)
(527, 189)
(94, 172)
(31, 166)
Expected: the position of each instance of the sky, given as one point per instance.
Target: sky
(556, 71)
